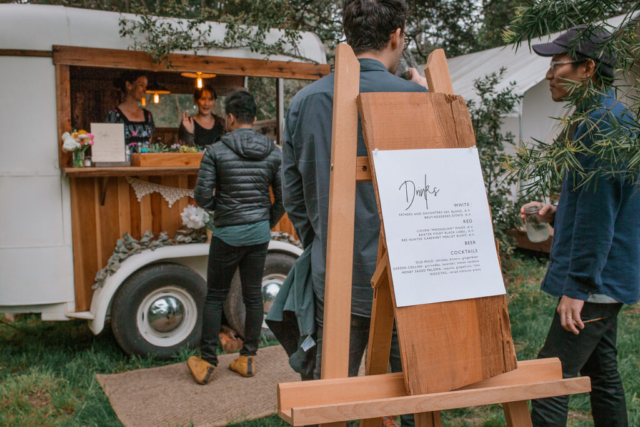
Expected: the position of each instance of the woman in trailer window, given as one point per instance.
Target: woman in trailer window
(138, 122)
(204, 128)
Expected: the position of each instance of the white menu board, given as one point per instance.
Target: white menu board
(109, 142)
(437, 225)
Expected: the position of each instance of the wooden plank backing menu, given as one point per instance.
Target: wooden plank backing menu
(444, 346)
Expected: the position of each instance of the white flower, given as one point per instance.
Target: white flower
(69, 144)
(194, 217)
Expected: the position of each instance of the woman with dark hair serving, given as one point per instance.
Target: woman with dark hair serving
(138, 122)
(204, 128)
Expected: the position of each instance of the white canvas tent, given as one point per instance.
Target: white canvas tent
(533, 117)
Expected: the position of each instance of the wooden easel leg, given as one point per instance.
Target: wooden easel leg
(428, 419)
(381, 330)
(517, 414)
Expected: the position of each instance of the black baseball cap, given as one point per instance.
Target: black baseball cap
(585, 43)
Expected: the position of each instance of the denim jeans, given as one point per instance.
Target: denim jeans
(358, 341)
(223, 261)
(592, 353)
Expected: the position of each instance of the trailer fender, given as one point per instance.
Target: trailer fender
(102, 297)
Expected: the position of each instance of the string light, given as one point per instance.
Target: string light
(156, 98)
(143, 101)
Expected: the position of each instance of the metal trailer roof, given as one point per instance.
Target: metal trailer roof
(523, 66)
(39, 27)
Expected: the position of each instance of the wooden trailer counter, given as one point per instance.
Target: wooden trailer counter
(104, 207)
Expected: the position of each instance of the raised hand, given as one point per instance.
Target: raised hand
(187, 122)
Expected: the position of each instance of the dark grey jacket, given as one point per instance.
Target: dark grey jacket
(241, 169)
(306, 164)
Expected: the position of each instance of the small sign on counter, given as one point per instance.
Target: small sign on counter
(109, 146)
(437, 225)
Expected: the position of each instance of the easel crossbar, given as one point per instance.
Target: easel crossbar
(345, 411)
(386, 386)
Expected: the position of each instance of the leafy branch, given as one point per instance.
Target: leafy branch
(610, 144)
(178, 26)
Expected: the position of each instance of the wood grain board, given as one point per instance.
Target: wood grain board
(166, 159)
(139, 60)
(128, 171)
(355, 393)
(63, 111)
(338, 412)
(96, 227)
(26, 52)
(448, 345)
(437, 73)
(342, 194)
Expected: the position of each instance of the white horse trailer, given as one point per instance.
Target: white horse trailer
(59, 224)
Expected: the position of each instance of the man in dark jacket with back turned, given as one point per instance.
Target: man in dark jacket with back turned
(240, 169)
(375, 31)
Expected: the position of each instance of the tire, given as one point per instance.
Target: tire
(276, 269)
(160, 286)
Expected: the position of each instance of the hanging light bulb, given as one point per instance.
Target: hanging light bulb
(199, 76)
(143, 101)
(156, 90)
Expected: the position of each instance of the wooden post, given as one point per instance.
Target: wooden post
(279, 109)
(63, 104)
(342, 193)
(437, 73)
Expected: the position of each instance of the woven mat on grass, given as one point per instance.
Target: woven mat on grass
(168, 396)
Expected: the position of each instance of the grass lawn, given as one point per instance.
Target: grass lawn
(47, 369)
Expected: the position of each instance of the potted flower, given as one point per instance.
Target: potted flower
(77, 143)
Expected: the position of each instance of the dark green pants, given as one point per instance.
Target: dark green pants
(592, 353)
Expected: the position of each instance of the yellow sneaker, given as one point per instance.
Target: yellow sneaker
(201, 370)
(244, 365)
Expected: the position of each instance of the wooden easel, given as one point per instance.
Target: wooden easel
(464, 345)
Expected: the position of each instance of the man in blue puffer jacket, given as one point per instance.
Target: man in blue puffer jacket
(240, 168)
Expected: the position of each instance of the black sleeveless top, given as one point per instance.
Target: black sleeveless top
(202, 137)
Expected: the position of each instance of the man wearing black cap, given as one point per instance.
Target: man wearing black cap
(595, 256)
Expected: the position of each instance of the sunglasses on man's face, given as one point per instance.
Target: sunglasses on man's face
(553, 64)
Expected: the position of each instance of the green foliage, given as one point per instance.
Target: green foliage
(458, 26)
(48, 369)
(179, 26)
(486, 116)
(615, 149)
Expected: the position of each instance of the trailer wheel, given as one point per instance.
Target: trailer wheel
(276, 269)
(158, 310)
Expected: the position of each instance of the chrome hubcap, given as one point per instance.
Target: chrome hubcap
(165, 314)
(269, 292)
(271, 285)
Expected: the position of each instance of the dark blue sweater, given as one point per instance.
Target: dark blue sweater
(596, 246)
